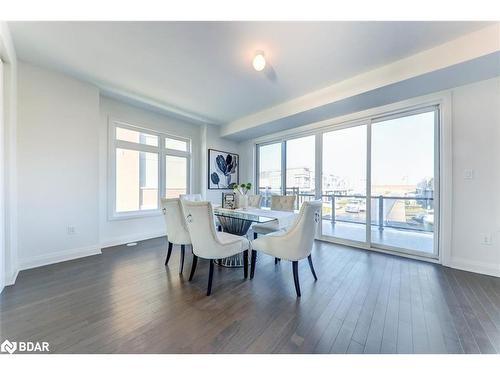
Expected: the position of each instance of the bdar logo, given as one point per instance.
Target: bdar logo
(8, 347)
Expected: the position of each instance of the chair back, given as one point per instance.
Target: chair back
(255, 201)
(191, 197)
(177, 231)
(300, 236)
(199, 217)
(283, 202)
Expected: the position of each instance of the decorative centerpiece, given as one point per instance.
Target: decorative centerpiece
(242, 191)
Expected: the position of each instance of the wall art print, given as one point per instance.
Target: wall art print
(223, 169)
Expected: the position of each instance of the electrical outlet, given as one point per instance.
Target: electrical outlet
(70, 230)
(486, 239)
(468, 174)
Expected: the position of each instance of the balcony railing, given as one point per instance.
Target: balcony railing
(399, 212)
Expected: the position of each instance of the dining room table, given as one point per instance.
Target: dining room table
(239, 221)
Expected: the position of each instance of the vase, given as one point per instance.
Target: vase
(243, 202)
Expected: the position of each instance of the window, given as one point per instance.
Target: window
(379, 179)
(269, 175)
(128, 135)
(176, 144)
(176, 184)
(344, 183)
(136, 180)
(300, 166)
(145, 165)
(287, 168)
(402, 181)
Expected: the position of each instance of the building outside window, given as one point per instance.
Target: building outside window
(145, 165)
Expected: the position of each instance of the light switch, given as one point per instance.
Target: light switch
(469, 174)
(486, 239)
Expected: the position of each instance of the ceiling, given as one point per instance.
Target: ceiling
(204, 68)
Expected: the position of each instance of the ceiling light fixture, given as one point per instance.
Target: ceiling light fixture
(259, 61)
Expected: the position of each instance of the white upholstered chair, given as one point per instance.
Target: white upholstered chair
(283, 202)
(177, 232)
(278, 203)
(199, 198)
(207, 242)
(255, 201)
(294, 244)
(191, 197)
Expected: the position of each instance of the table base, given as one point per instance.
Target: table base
(238, 227)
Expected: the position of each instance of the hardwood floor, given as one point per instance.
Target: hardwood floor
(127, 301)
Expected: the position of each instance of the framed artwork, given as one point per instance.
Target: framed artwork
(223, 169)
(229, 200)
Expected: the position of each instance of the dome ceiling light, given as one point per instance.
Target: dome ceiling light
(259, 61)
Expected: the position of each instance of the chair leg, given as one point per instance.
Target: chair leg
(245, 263)
(295, 267)
(252, 263)
(255, 235)
(193, 267)
(312, 267)
(169, 252)
(275, 260)
(183, 251)
(210, 277)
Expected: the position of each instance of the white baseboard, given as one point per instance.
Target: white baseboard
(59, 256)
(473, 266)
(12, 279)
(62, 256)
(131, 238)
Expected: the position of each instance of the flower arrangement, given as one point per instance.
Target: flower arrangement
(242, 189)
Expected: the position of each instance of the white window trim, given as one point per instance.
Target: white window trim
(443, 160)
(160, 150)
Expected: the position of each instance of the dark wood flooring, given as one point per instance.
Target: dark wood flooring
(127, 301)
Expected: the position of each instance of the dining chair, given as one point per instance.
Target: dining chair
(294, 244)
(278, 203)
(207, 242)
(255, 201)
(177, 231)
(283, 202)
(191, 197)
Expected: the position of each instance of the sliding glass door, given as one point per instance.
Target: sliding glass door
(379, 183)
(378, 180)
(344, 184)
(300, 169)
(287, 168)
(269, 178)
(403, 179)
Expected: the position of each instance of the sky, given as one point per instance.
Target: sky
(402, 152)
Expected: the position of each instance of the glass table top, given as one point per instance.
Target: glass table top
(249, 215)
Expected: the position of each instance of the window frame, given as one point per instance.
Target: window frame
(441, 102)
(283, 142)
(162, 153)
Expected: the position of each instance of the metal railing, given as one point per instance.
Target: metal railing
(379, 217)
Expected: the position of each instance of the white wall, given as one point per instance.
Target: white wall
(476, 202)
(475, 210)
(2, 184)
(58, 180)
(62, 152)
(114, 232)
(8, 146)
(211, 139)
